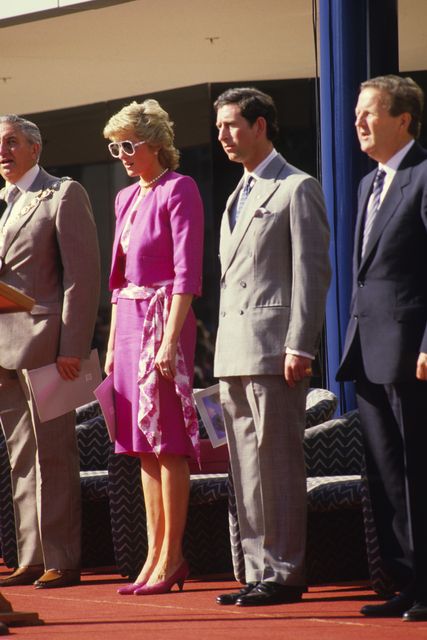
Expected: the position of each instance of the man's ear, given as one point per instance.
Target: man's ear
(36, 151)
(261, 125)
(405, 120)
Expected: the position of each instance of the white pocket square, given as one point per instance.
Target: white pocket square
(262, 212)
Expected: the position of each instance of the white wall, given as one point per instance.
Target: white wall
(139, 46)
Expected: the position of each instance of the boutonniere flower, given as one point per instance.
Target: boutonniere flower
(41, 195)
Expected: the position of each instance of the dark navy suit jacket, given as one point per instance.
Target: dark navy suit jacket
(388, 316)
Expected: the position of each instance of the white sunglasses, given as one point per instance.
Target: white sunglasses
(127, 146)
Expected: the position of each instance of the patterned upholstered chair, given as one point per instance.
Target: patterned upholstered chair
(341, 537)
(96, 454)
(336, 547)
(206, 540)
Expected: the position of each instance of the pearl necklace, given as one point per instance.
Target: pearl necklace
(145, 185)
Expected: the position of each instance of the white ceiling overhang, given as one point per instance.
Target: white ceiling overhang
(102, 50)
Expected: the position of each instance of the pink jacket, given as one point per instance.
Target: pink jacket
(166, 241)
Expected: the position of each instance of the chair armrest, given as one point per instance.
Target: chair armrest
(320, 406)
(334, 448)
(332, 493)
(88, 411)
(208, 487)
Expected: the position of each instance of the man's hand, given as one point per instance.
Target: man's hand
(422, 367)
(68, 368)
(296, 368)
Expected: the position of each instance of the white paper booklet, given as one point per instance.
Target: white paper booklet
(55, 396)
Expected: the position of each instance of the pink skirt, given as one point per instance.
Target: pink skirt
(129, 438)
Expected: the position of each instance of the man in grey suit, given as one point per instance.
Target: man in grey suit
(48, 250)
(275, 276)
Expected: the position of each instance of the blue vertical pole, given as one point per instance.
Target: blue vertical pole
(350, 52)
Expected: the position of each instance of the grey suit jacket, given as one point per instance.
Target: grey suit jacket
(50, 252)
(275, 273)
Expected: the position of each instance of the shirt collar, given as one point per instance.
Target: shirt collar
(25, 182)
(393, 163)
(256, 173)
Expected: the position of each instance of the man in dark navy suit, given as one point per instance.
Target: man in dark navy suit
(386, 343)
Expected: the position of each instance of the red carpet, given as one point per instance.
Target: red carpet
(93, 611)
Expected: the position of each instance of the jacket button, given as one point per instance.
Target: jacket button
(360, 283)
(242, 283)
(356, 317)
(222, 314)
(241, 312)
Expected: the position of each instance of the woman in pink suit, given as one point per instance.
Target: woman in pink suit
(156, 271)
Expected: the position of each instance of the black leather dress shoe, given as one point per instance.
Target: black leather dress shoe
(417, 613)
(393, 608)
(230, 598)
(266, 593)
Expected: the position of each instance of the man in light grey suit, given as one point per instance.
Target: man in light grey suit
(275, 276)
(48, 250)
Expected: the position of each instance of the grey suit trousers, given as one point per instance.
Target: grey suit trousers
(45, 478)
(265, 421)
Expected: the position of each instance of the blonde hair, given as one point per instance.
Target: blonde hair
(149, 122)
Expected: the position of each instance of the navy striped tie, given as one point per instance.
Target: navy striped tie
(374, 205)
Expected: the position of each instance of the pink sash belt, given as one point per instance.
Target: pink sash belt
(148, 375)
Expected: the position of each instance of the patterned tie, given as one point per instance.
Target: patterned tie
(373, 206)
(243, 196)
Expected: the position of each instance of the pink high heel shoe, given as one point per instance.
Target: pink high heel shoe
(166, 585)
(129, 589)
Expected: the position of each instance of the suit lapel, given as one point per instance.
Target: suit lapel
(262, 190)
(28, 204)
(390, 204)
(231, 199)
(226, 232)
(365, 192)
(125, 213)
(386, 211)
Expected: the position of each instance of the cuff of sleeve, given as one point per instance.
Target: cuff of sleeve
(297, 352)
(186, 286)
